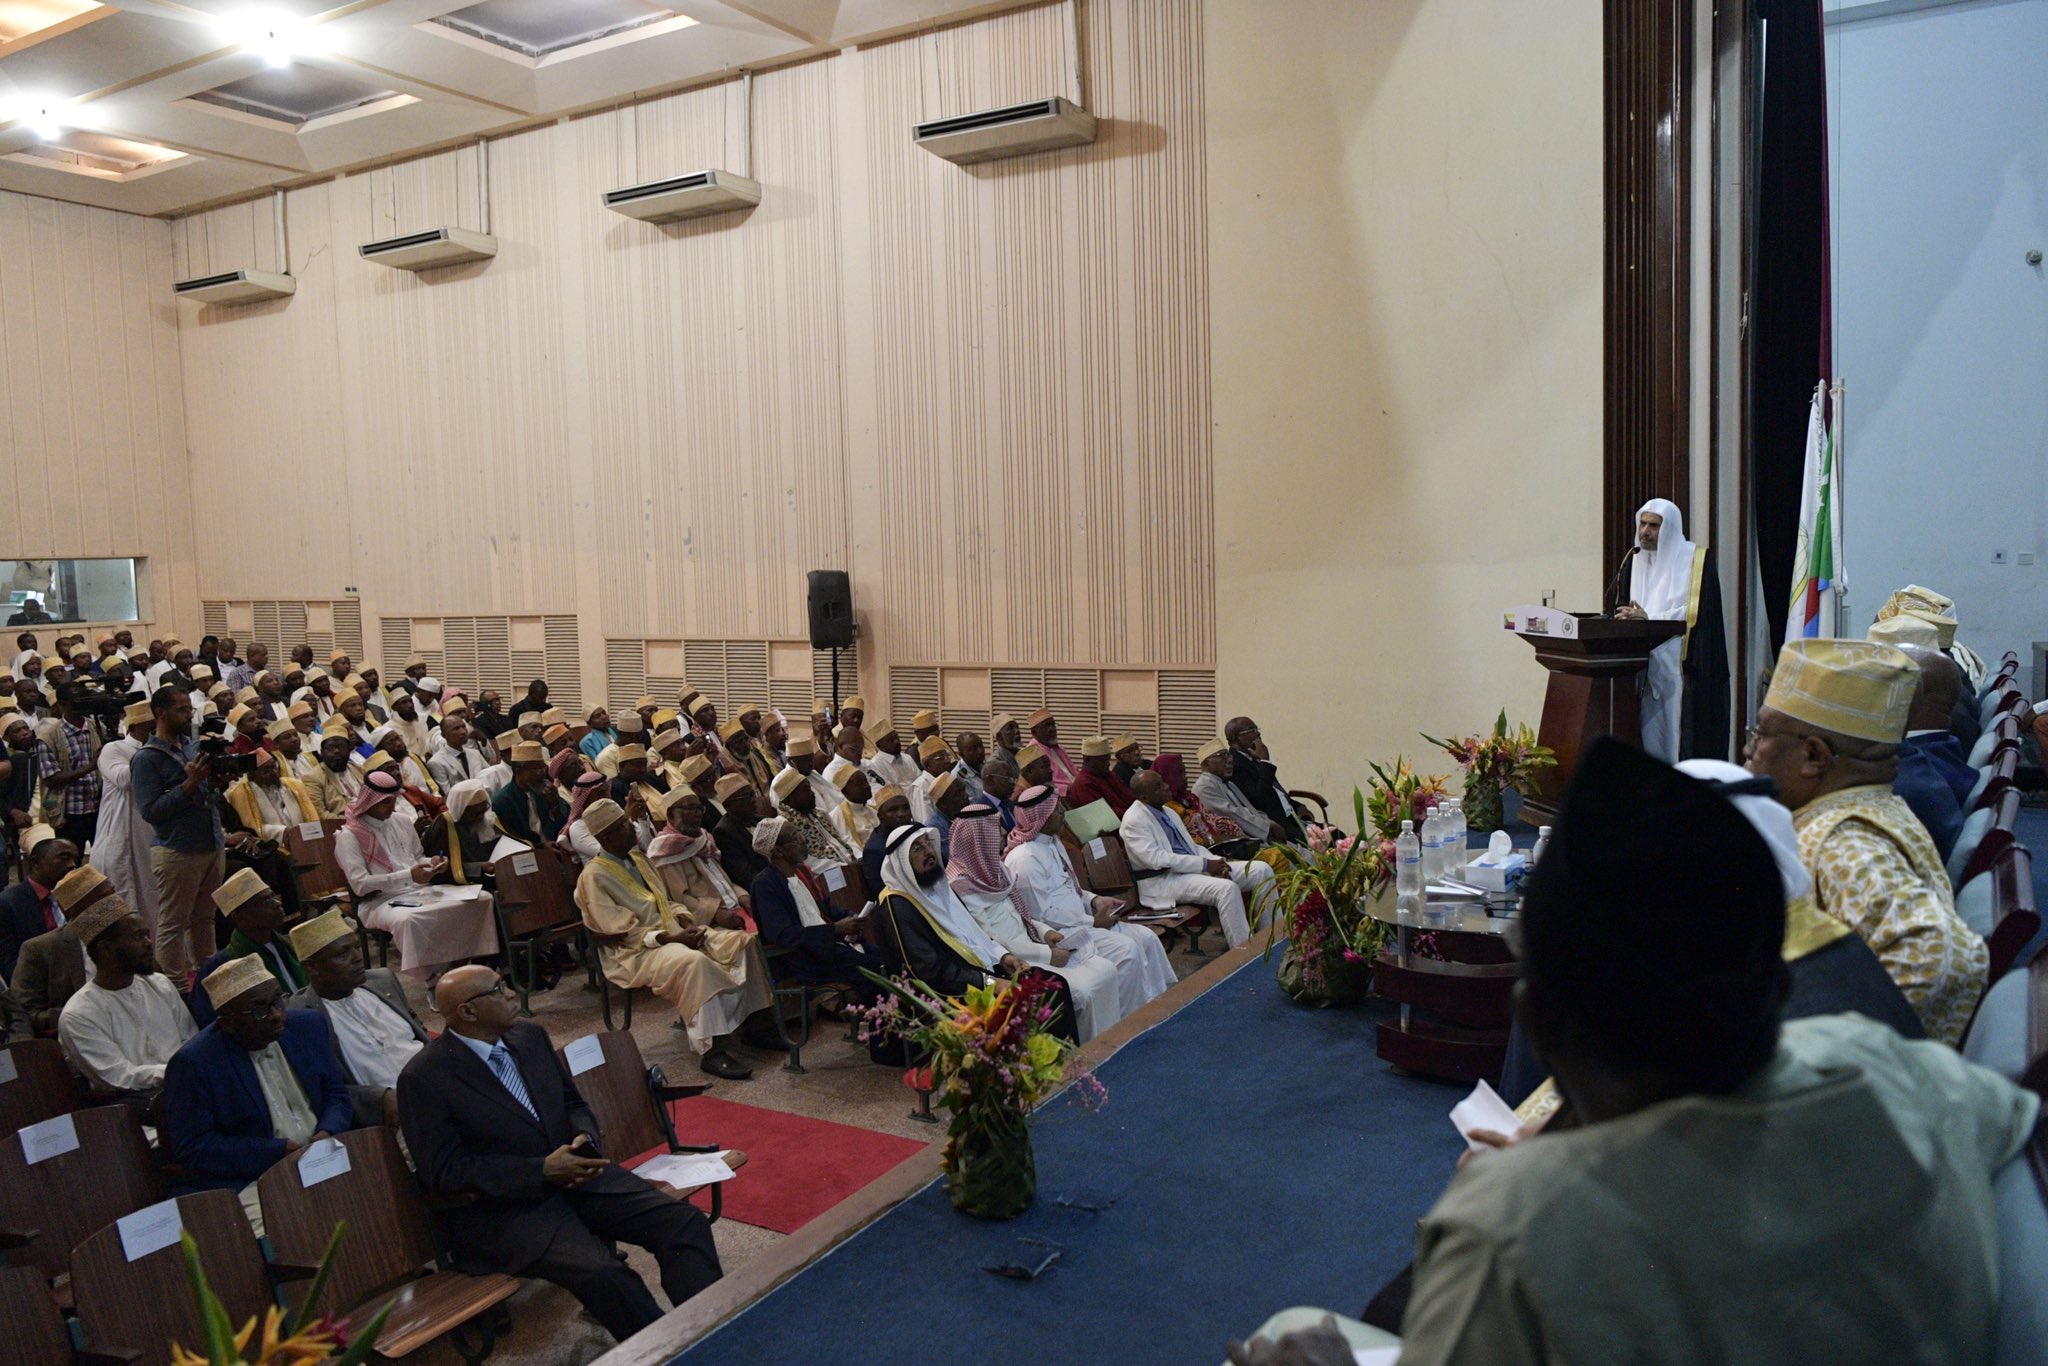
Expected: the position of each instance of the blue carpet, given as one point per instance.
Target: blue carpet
(1254, 1154)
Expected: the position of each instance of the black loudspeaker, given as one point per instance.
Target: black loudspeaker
(831, 603)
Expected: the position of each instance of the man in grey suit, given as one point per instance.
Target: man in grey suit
(374, 1030)
(50, 968)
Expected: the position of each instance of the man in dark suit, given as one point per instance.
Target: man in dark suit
(1256, 777)
(29, 908)
(1934, 778)
(490, 1112)
(256, 1084)
(375, 1031)
(51, 967)
(794, 912)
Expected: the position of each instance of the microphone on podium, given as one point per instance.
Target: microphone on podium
(1613, 604)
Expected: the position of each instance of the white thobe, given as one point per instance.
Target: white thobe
(375, 1041)
(418, 736)
(1091, 978)
(1149, 835)
(432, 926)
(1660, 582)
(898, 768)
(277, 807)
(121, 1040)
(1046, 870)
(920, 794)
(120, 845)
(830, 798)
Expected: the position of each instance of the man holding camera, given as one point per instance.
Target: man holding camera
(175, 792)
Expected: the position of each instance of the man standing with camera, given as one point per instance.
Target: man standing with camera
(175, 792)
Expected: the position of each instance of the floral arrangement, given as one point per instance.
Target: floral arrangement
(1494, 763)
(1323, 897)
(1398, 793)
(288, 1339)
(992, 1061)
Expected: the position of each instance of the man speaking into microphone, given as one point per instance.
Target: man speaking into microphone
(1685, 694)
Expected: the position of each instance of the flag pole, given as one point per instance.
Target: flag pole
(1835, 523)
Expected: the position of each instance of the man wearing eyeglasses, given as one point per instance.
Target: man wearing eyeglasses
(490, 1113)
(258, 1083)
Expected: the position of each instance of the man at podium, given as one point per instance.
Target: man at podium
(1685, 695)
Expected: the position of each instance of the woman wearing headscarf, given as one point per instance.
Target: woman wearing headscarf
(392, 878)
(708, 967)
(1082, 956)
(1037, 860)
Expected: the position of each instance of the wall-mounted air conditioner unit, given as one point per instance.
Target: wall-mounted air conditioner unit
(688, 196)
(236, 287)
(432, 248)
(1040, 126)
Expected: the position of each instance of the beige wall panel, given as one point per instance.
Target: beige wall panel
(1405, 218)
(91, 417)
(713, 350)
(266, 410)
(1038, 351)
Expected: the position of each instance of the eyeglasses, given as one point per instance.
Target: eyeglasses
(274, 1006)
(497, 988)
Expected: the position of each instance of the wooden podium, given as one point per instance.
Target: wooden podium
(1595, 665)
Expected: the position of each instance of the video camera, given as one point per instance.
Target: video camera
(224, 767)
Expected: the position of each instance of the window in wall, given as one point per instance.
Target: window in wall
(39, 591)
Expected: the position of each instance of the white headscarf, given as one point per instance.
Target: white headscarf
(1771, 817)
(463, 794)
(1661, 579)
(939, 900)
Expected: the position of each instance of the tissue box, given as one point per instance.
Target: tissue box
(1489, 876)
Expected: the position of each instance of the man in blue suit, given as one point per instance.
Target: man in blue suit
(258, 1083)
(1935, 778)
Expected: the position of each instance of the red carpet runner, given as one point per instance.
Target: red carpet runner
(797, 1168)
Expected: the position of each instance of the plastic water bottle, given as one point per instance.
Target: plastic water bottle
(1432, 846)
(1454, 844)
(1542, 843)
(1408, 871)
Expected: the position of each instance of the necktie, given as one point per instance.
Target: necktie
(50, 911)
(1173, 835)
(501, 1063)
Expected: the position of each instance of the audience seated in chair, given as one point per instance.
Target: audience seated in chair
(1829, 734)
(120, 1029)
(495, 1125)
(1172, 869)
(258, 1083)
(795, 913)
(372, 1026)
(258, 917)
(1934, 776)
(1728, 1174)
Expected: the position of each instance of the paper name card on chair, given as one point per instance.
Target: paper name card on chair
(584, 1054)
(312, 830)
(835, 879)
(51, 1138)
(1098, 848)
(150, 1230)
(323, 1161)
(685, 1169)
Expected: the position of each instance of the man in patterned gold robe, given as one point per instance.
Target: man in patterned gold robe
(1829, 733)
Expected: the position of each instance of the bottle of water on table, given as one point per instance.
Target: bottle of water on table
(1408, 871)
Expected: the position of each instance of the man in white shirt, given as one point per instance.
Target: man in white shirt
(1171, 868)
(889, 765)
(120, 1029)
(1040, 864)
(375, 1030)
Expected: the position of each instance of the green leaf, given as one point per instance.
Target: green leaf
(220, 1333)
(364, 1342)
(309, 1307)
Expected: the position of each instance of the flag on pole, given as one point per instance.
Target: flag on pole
(1816, 578)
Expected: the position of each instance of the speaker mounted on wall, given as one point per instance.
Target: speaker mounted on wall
(831, 609)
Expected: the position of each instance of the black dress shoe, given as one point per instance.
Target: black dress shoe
(720, 1063)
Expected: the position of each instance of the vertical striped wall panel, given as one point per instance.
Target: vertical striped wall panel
(655, 430)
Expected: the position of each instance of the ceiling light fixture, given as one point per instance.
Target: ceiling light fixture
(44, 118)
(276, 37)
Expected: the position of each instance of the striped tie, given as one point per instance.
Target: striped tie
(500, 1059)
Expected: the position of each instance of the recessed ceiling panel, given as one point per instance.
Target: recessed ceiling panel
(295, 95)
(102, 155)
(21, 18)
(540, 28)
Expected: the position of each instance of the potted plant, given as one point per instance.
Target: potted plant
(1323, 897)
(1494, 764)
(991, 1061)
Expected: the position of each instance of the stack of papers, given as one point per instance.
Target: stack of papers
(685, 1169)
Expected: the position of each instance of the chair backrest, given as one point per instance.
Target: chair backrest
(616, 1091)
(1104, 868)
(1994, 782)
(388, 1240)
(532, 902)
(41, 1088)
(1995, 699)
(1976, 904)
(1974, 827)
(1980, 753)
(148, 1304)
(70, 1195)
(2015, 919)
(313, 862)
(2006, 812)
(852, 892)
(35, 1330)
